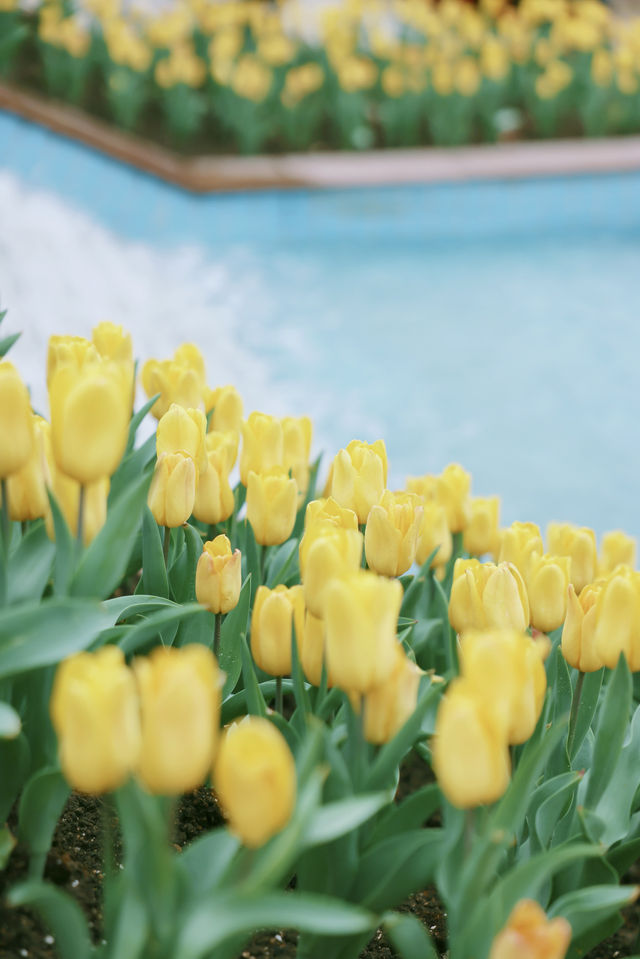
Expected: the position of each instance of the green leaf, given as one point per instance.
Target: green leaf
(337, 818)
(41, 804)
(154, 570)
(419, 588)
(207, 858)
(612, 725)
(585, 908)
(30, 566)
(65, 549)
(408, 936)
(183, 572)
(7, 342)
(411, 813)
(128, 936)
(587, 708)
(41, 634)
(281, 563)
(234, 626)
(137, 419)
(60, 913)
(134, 465)
(10, 724)
(255, 700)
(105, 560)
(122, 607)
(550, 810)
(14, 768)
(384, 768)
(211, 922)
(391, 869)
(154, 625)
(7, 845)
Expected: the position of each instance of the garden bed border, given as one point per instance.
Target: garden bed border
(331, 169)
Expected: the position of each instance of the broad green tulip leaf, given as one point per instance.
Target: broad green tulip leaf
(237, 704)
(7, 342)
(408, 936)
(211, 922)
(624, 854)
(183, 572)
(550, 809)
(383, 771)
(612, 726)
(337, 818)
(65, 549)
(122, 607)
(411, 813)
(449, 636)
(597, 934)
(391, 869)
(44, 633)
(559, 684)
(154, 570)
(207, 858)
(234, 625)
(282, 563)
(128, 936)
(10, 723)
(587, 708)
(41, 804)
(104, 562)
(253, 557)
(418, 589)
(137, 419)
(134, 465)
(60, 913)
(300, 691)
(154, 625)
(30, 566)
(254, 699)
(585, 908)
(7, 844)
(14, 762)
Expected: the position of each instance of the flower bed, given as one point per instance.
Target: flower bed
(248, 77)
(246, 674)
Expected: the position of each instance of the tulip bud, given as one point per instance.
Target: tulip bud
(580, 545)
(451, 489)
(327, 552)
(67, 494)
(262, 445)
(296, 438)
(528, 934)
(226, 403)
(74, 351)
(90, 413)
(113, 343)
(214, 500)
(391, 535)
(272, 500)
(275, 613)
(27, 488)
(617, 549)
(506, 670)
(578, 646)
(388, 705)
(219, 576)
(173, 489)
(175, 382)
(255, 780)
(328, 510)
(183, 431)
(95, 713)
(518, 544)
(312, 649)
(16, 421)
(434, 533)
(481, 535)
(190, 356)
(547, 589)
(469, 749)
(224, 443)
(485, 596)
(180, 709)
(617, 619)
(361, 618)
(359, 476)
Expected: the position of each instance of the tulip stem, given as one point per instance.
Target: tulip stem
(6, 518)
(279, 703)
(165, 545)
(216, 635)
(80, 528)
(573, 718)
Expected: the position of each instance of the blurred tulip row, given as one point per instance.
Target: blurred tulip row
(171, 621)
(254, 76)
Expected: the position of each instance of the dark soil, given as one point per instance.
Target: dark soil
(75, 864)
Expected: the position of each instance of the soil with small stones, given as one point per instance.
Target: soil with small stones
(74, 864)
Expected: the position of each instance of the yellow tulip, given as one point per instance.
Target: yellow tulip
(226, 403)
(16, 421)
(224, 441)
(67, 494)
(180, 712)
(74, 351)
(219, 576)
(296, 438)
(272, 501)
(506, 669)
(255, 780)
(27, 487)
(262, 445)
(434, 533)
(361, 617)
(547, 590)
(470, 751)
(327, 552)
(452, 489)
(359, 476)
(90, 411)
(389, 705)
(175, 382)
(579, 544)
(183, 431)
(312, 649)
(616, 549)
(617, 619)
(481, 535)
(518, 544)
(275, 613)
(214, 500)
(578, 646)
(485, 596)
(173, 489)
(328, 510)
(528, 934)
(391, 535)
(113, 343)
(95, 713)
(189, 355)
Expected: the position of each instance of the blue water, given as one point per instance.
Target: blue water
(494, 324)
